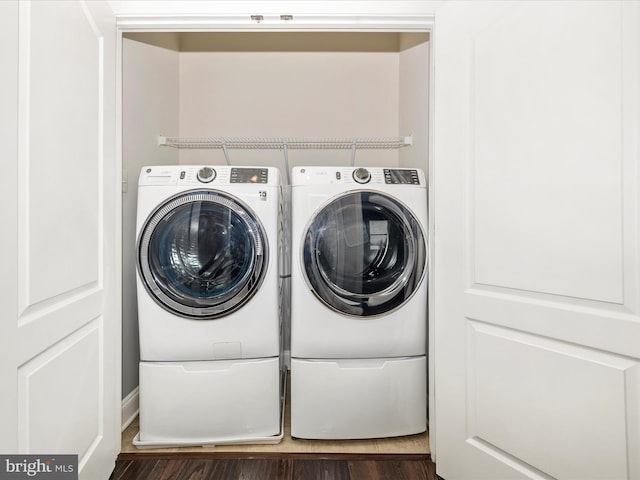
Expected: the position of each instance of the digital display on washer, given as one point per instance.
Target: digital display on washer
(399, 177)
(249, 175)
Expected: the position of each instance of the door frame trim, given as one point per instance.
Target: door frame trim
(423, 21)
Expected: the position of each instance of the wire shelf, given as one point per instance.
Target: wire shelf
(291, 143)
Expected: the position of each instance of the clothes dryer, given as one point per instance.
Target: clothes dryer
(208, 304)
(359, 302)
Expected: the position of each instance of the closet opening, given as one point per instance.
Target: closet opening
(328, 86)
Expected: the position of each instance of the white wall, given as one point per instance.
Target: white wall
(273, 8)
(414, 100)
(289, 94)
(150, 106)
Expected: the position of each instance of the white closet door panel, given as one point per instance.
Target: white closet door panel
(60, 343)
(59, 392)
(546, 155)
(524, 383)
(61, 120)
(536, 308)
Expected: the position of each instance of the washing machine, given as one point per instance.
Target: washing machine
(208, 287)
(359, 302)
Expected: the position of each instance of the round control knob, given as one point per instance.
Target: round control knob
(361, 175)
(206, 174)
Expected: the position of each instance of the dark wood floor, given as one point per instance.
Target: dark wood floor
(276, 466)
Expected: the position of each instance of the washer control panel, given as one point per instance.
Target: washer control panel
(210, 176)
(401, 177)
(249, 175)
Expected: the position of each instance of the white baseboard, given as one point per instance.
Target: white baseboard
(130, 407)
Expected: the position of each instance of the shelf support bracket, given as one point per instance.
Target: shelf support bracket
(285, 150)
(226, 152)
(353, 152)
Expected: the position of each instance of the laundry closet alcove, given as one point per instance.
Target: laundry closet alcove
(298, 85)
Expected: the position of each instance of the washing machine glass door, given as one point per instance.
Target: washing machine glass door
(202, 254)
(364, 254)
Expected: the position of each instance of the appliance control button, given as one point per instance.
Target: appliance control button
(361, 175)
(206, 174)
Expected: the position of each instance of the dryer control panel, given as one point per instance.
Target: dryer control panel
(357, 176)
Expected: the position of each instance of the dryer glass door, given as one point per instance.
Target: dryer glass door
(364, 254)
(202, 254)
